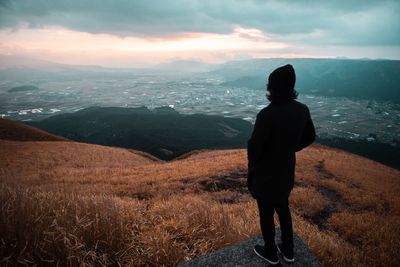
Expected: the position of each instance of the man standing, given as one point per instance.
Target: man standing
(281, 129)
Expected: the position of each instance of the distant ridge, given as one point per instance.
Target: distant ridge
(356, 78)
(17, 131)
(185, 66)
(162, 132)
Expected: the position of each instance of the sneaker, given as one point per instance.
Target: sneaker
(261, 252)
(287, 254)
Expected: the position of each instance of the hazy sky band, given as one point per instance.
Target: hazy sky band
(257, 28)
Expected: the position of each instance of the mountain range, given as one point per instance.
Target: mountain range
(356, 78)
(364, 79)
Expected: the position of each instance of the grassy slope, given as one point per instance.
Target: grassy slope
(13, 130)
(74, 203)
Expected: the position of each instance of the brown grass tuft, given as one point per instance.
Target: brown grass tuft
(307, 201)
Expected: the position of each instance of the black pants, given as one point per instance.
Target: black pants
(266, 210)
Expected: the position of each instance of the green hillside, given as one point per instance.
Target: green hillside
(162, 132)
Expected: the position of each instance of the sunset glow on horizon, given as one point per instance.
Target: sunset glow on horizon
(61, 44)
(137, 34)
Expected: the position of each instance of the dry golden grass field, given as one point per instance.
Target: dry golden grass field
(73, 204)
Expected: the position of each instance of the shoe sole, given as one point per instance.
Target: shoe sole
(262, 257)
(283, 256)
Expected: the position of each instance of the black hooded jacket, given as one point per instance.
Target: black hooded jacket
(281, 129)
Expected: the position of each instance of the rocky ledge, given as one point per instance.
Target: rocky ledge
(242, 254)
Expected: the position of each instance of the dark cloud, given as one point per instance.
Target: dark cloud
(349, 22)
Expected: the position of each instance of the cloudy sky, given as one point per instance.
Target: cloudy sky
(132, 33)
